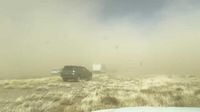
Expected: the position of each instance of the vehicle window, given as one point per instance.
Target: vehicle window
(69, 68)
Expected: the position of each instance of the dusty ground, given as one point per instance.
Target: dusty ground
(51, 94)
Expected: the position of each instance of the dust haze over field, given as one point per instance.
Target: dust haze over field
(135, 36)
(149, 47)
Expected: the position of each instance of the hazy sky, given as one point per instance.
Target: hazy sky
(150, 36)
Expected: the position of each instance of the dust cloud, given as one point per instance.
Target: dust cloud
(36, 36)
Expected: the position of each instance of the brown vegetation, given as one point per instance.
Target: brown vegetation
(53, 95)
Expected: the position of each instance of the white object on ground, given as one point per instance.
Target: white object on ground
(55, 71)
(98, 68)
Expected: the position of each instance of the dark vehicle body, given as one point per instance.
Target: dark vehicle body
(75, 73)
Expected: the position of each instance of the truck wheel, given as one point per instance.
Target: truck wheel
(77, 78)
(65, 79)
(88, 78)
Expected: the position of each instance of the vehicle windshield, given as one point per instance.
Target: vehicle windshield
(89, 55)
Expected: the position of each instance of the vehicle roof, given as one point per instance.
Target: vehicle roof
(66, 66)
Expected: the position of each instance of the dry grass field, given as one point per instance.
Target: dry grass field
(51, 94)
